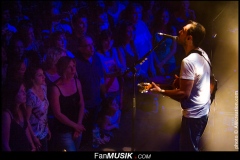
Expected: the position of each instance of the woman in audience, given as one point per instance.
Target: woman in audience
(16, 134)
(37, 107)
(66, 101)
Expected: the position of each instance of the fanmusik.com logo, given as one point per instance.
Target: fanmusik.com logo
(114, 155)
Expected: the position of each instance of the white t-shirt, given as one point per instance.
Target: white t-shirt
(195, 67)
(110, 65)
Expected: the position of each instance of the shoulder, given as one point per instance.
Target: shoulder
(6, 115)
(188, 61)
(78, 82)
(54, 88)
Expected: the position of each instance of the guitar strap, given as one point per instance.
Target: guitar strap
(200, 53)
(212, 77)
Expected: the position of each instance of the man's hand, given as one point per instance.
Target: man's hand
(156, 88)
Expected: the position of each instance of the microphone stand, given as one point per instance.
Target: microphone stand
(133, 70)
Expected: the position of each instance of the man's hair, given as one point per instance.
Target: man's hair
(197, 31)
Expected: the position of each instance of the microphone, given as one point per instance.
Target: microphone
(167, 35)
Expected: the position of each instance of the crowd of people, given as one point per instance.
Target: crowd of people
(64, 66)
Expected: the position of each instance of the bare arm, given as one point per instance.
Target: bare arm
(33, 137)
(81, 103)
(30, 138)
(6, 122)
(177, 94)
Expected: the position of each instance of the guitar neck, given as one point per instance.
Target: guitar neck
(159, 85)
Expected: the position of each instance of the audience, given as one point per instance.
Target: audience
(99, 41)
(142, 38)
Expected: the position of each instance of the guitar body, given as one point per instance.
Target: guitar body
(213, 87)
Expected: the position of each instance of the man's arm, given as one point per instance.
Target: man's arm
(177, 94)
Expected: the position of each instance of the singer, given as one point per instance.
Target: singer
(164, 54)
(192, 88)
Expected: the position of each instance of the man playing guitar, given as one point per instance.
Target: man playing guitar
(192, 87)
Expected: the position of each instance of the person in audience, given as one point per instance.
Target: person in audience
(33, 47)
(51, 76)
(128, 55)
(150, 9)
(165, 52)
(142, 38)
(100, 22)
(91, 75)
(37, 107)
(114, 10)
(16, 70)
(50, 60)
(16, 134)
(16, 52)
(80, 28)
(8, 30)
(67, 105)
(59, 20)
(58, 39)
(181, 15)
(17, 12)
(109, 119)
(111, 65)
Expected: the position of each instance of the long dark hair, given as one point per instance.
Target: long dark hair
(9, 94)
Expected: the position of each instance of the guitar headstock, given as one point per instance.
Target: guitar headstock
(144, 87)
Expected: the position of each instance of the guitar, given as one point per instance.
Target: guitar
(144, 87)
(213, 87)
